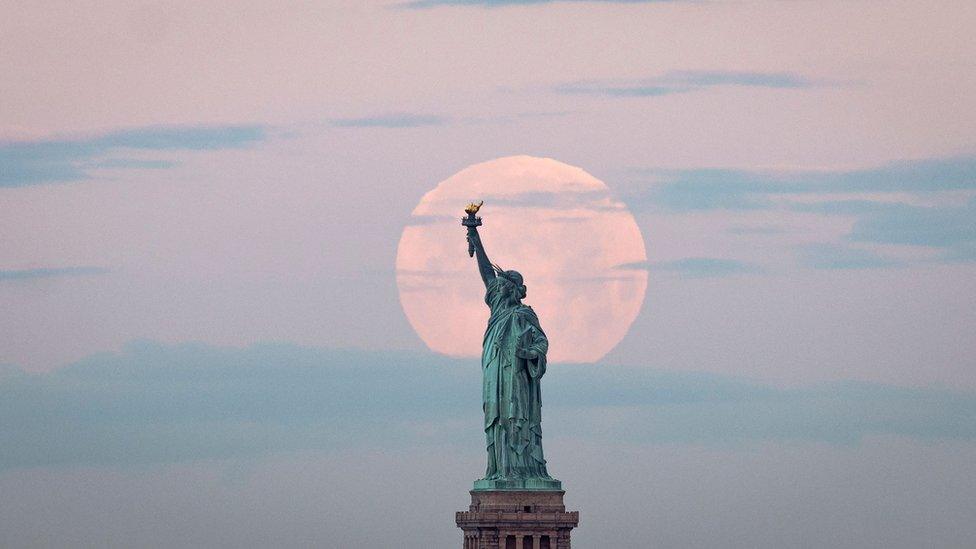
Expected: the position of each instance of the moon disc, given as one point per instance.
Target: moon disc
(554, 223)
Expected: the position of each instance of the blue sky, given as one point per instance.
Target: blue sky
(200, 210)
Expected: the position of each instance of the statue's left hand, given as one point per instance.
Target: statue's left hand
(527, 354)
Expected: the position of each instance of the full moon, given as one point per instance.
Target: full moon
(554, 223)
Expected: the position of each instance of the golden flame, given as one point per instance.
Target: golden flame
(473, 208)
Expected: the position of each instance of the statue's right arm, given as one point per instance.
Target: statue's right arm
(484, 265)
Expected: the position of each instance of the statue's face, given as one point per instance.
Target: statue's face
(509, 289)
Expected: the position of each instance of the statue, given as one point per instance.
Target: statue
(513, 361)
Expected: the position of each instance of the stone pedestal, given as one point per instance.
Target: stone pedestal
(517, 519)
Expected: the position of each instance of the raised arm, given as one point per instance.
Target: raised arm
(484, 265)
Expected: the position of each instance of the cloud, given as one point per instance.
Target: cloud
(702, 189)
(719, 188)
(917, 225)
(926, 175)
(742, 78)
(686, 81)
(840, 256)
(423, 4)
(733, 189)
(952, 229)
(697, 267)
(24, 163)
(200, 138)
(394, 120)
(964, 252)
(154, 403)
(33, 274)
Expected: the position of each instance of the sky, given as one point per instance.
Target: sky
(203, 342)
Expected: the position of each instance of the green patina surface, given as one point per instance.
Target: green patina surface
(513, 361)
(518, 484)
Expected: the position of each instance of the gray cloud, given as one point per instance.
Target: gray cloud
(916, 225)
(676, 82)
(154, 403)
(25, 163)
(731, 189)
(951, 229)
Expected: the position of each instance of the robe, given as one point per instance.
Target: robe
(512, 397)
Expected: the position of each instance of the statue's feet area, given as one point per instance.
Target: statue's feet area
(518, 484)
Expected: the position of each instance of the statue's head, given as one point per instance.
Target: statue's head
(511, 283)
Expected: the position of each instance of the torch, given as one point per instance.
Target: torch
(471, 221)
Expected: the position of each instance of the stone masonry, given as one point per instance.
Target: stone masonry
(517, 519)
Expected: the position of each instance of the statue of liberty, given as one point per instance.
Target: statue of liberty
(513, 361)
